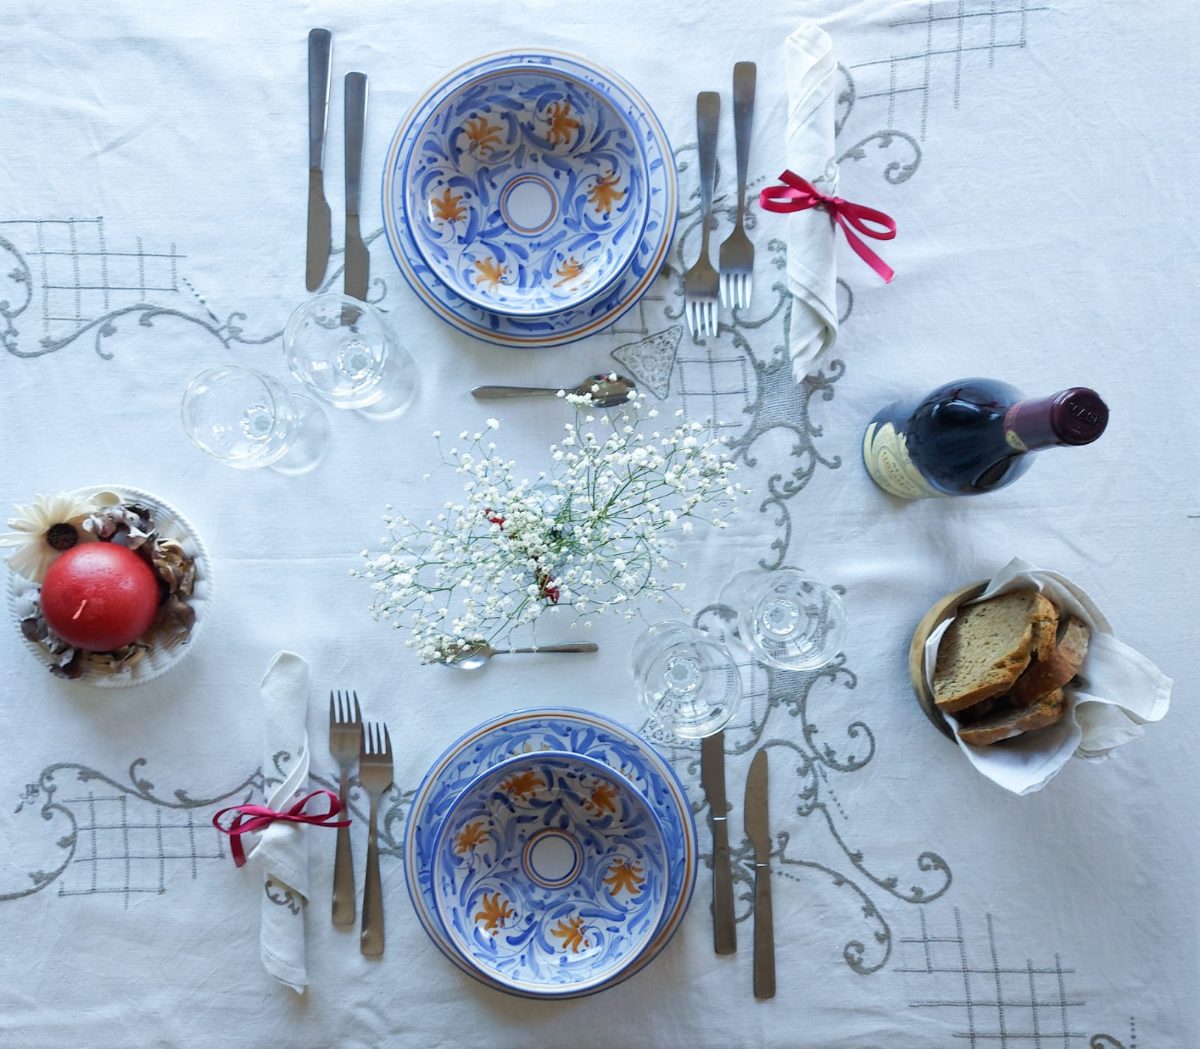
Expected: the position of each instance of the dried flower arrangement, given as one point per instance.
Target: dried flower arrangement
(47, 528)
(592, 532)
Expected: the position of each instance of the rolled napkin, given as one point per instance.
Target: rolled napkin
(282, 851)
(810, 152)
(1115, 693)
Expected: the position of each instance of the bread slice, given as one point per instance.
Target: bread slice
(989, 645)
(1007, 720)
(1045, 674)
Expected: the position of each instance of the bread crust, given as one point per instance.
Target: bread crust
(1008, 721)
(1047, 673)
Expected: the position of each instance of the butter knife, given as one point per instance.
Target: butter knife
(320, 48)
(358, 262)
(712, 776)
(760, 837)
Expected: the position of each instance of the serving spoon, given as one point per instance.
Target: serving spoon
(475, 656)
(606, 391)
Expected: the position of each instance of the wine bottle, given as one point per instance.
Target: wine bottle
(973, 436)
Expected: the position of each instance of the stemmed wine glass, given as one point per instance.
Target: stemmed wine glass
(248, 420)
(688, 682)
(344, 351)
(786, 618)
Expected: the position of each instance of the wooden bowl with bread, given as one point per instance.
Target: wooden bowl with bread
(1001, 666)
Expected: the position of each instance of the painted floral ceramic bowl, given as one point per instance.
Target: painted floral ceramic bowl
(526, 190)
(550, 873)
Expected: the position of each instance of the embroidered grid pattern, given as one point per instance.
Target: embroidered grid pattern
(119, 851)
(1004, 1006)
(715, 386)
(82, 277)
(935, 48)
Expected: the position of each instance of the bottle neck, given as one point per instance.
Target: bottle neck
(1074, 416)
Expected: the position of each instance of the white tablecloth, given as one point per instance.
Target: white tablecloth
(1039, 160)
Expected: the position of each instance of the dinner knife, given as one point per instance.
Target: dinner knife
(760, 837)
(320, 48)
(358, 262)
(712, 776)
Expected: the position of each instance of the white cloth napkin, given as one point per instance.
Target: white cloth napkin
(809, 152)
(1119, 691)
(282, 850)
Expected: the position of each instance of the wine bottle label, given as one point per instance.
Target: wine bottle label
(1010, 432)
(885, 453)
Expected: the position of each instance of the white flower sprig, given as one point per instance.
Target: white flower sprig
(592, 532)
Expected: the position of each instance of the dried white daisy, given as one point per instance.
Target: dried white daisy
(45, 529)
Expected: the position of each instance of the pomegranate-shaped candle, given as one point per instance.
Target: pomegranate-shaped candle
(99, 596)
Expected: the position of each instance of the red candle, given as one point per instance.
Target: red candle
(99, 596)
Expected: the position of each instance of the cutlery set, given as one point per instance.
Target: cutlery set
(756, 821)
(357, 260)
(733, 282)
(351, 738)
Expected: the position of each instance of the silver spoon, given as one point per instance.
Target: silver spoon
(477, 655)
(605, 391)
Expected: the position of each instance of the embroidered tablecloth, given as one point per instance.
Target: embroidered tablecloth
(1038, 159)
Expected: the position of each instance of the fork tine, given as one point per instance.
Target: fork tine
(332, 717)
(689, 311)
(712, 318)
(724, 288)
(357, 709)
(387, 742)
(749, 288)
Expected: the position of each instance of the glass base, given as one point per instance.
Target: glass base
(308, 441)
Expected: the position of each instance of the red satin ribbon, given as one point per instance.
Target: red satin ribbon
(798, 194)
(253, 818)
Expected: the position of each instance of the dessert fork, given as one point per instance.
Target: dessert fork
(737, 253)
(375, 774)
(700, 282)
(345, 738)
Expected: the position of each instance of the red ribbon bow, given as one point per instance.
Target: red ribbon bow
(251, 819)
(798, 194)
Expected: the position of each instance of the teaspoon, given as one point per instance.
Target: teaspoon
(475, 656)
(605, 391)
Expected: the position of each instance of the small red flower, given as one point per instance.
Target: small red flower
(547, 589)
(493, 517)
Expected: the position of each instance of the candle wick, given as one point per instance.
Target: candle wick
(79, 610)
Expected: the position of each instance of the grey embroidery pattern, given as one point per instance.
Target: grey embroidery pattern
(118, 838)
(62, 280)
(111, 837)
(996, 1003)
(934, 50)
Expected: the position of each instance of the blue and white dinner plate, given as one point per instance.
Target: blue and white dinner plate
(549, 873)
(551, 729)
(525, 190)
(597, 312)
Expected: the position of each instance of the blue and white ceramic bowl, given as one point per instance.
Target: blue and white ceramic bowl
(525, 189)
(557, 729)
(550, 873)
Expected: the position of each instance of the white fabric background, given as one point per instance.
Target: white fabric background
(1045, 238)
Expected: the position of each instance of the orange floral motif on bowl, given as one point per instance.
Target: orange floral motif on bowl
(623, 876)
(470, 836)
(562, 124)
(604, 193)
(448, 206)
(522, 784)
(494, 912)
(572, 934)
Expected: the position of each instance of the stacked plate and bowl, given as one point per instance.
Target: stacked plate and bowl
(530, 198)
(550, 853)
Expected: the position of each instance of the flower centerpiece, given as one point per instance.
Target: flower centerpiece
(592, 532)
(100, 583)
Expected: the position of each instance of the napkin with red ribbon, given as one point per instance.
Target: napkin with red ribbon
(282, 850)
(809, 194)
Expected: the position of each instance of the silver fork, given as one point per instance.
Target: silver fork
(700, 282)
(345, 737)
(737, 253)
(375, 774)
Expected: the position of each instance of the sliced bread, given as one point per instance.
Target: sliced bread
(989, 646)
(1045, 674)
(1006, 720)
